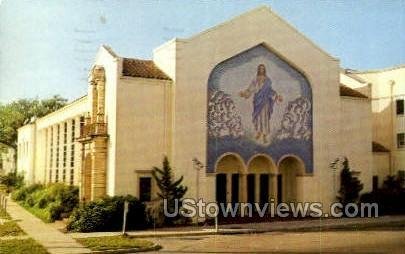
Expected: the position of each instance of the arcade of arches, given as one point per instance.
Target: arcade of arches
(259, 180)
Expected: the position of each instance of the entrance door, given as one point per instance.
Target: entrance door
(279, 188)
(264, 188)
(221, 188)
(251, 188)
(235, 188)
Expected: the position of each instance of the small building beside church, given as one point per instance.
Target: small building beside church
(259, 106)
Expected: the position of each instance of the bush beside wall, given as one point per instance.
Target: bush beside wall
(49, 203)
(106, 214)
(390, 198)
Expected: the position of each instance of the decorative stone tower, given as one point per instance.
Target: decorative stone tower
(93, 137)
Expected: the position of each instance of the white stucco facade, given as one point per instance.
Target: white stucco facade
(159, 107)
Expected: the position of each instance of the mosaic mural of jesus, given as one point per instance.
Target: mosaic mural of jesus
(263, 102)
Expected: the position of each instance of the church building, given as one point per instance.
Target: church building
(248, 110)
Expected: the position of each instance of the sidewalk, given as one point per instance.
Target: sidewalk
(53, 240)
(275, 226)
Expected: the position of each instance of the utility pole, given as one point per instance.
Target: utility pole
(197, 166)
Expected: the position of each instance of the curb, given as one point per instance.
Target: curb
(155, 247)
(182, 234)
(260, 231)
(349, 226)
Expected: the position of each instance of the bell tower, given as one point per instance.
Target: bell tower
(94, 137)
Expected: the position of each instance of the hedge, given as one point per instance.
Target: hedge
(106, 214)
(49, 203)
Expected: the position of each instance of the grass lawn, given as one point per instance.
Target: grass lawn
(22, 246)
(116, 242)
(42, 214)
(10, 228)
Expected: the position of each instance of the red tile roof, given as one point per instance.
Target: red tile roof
(142, 69)
(347, 91)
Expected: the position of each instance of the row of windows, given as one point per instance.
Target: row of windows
(68, 160)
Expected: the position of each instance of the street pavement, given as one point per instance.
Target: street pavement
(275, 226)
(281, 242)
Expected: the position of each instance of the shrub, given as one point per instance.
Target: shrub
(50, 203)
(12, 181)
(107, 215)
(55, 211)
(19, 195)
(390, 198)
(350, 186)
(42, 203)
(30, 201)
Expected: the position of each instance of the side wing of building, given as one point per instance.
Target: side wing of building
(47, 148)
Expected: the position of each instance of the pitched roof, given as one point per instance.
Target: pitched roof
(347, 91)
(378, 148)
(271, 17)
(142, 69)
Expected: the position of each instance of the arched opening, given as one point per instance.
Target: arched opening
(260, 179)
(290, 184)
(229, 169)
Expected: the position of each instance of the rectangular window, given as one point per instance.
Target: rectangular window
(73, 130)
(81, 124)
(57, 145)
(57, 157)
(145, 189)
(400, 107)
(51, 153)
(65, 133)
(72, 175)
(56, 175)
(401, 140)
(51, 158)
(58, 135)
(72, 155)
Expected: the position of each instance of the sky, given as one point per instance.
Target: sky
(47, 47)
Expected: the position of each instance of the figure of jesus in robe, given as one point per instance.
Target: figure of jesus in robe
(263, 102)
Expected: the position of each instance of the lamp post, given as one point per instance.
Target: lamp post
(197, 166)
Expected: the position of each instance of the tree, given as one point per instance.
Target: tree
(169, 189)
(12, 181)
(350, 186)
(393, 184)
(17, 113)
